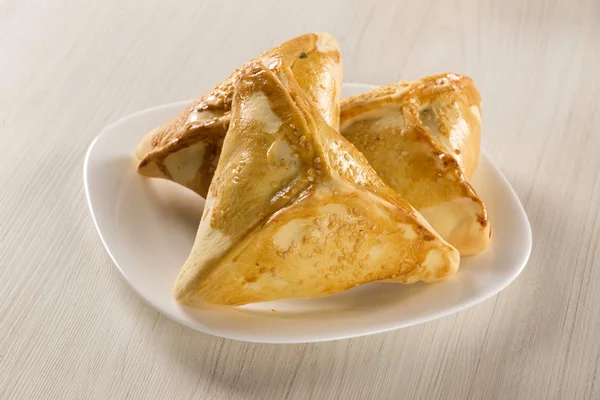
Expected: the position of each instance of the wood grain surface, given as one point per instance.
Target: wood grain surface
(70, 326)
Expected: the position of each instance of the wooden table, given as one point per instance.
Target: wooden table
(70, 326)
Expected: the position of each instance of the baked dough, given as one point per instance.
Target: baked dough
(422, 138)
(186, 149)
(295, 211)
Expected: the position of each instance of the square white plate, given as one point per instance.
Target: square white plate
(148, 227)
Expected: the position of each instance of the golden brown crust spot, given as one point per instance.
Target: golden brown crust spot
(482, 220)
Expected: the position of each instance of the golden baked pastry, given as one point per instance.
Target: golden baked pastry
(186, 149)
(422, 138)
(295, 211)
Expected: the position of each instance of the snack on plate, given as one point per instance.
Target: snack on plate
(307, 196)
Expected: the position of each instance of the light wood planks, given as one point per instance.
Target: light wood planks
(71, 328)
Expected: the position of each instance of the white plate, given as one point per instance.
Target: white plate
(148, 227)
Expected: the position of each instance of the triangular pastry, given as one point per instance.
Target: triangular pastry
(186, 149)
(422, 138)
(295, 211)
